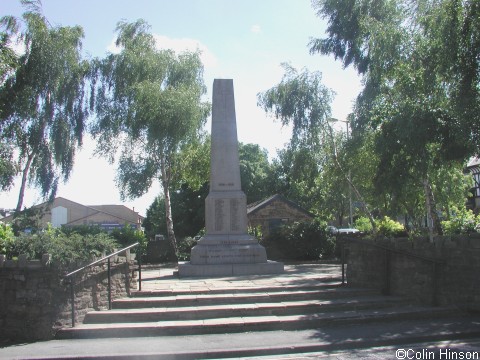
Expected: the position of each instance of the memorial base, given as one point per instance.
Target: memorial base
(227, 255)
(186, 269)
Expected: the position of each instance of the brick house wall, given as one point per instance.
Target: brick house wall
(71, 213)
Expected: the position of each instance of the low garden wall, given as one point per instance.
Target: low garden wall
(35, 302)
(453, 280)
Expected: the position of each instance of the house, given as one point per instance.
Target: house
(473, 167)
(274, 212)
(69, 213)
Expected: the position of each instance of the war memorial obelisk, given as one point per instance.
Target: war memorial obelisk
(227, 248)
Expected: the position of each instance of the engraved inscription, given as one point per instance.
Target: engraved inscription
(219, 214)
(228, 184)
(234, 214)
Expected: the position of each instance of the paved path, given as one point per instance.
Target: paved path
(164, 278)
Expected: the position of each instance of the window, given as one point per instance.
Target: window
(59, 216)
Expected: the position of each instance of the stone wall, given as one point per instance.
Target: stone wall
(35, 302)
(453, 281)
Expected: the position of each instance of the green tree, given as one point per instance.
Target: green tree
(302, 101)
(8, 58)
(8, 166)
(8, 63)
(193, 168)
(149, 103)
(43, 104)
(295, 174)
(193, 163)
(420, 69)
(254, 172)
(188, 210)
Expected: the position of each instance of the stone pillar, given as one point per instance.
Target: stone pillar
(226, 248)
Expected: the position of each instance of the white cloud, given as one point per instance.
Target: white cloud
(178, 45)
(112, 47)
(256, 29)
(186, 44)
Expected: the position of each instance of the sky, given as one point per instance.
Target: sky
(243, 40)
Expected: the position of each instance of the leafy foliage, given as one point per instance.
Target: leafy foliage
(43, 100)
(148, 104)
(389, 227)
(128, 235)
(363, 224)
(66, 249)
(8, 166)
(28, 220)
(463, 221)
(300, 241)
(188, 210)
(185, 246)
(188, 201)
(7, 239)
(254, 172)
(420, 68)
(300, 100)
(385, 226)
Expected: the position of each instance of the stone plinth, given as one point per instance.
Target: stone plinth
(226, 249)
(269, 267)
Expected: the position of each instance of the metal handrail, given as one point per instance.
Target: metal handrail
(388, 250)
(70, 277)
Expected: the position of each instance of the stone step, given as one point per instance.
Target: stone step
(242, 310)
(253, 323)
(238, 297)
(321, 283)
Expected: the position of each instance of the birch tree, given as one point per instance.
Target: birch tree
(42, 98)
(148, 104)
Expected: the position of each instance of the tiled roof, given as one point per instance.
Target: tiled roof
(253, 207)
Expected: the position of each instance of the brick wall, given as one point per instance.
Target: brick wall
(35, 302)
(455, 281)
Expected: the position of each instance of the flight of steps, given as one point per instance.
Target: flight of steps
(246, 309)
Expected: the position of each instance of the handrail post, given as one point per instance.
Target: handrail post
(109, 286)
(72, 299)
(140, 273)
(342, 247)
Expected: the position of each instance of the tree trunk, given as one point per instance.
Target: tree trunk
(434, 226)
(350, 182)
(168, 206)
(23, 185)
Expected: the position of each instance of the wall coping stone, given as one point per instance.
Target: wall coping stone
(23, 263)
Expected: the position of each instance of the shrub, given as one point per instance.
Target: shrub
(185, 246)
(127, 236)
(363, 224)
(389, 227)
(7, 239)
(67, 250)
(464, 222)
(82, 229)
(300, 241)
(386, 226)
